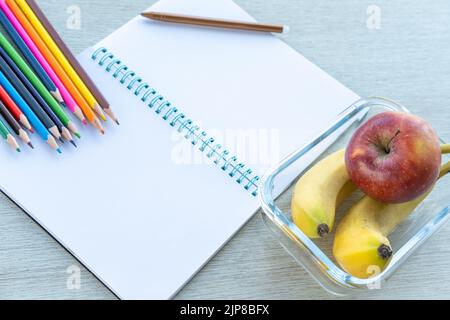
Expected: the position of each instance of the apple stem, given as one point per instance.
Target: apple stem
(445, 148)
(388, 146)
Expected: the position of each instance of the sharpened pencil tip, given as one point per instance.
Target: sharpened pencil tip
(59, 150)
(18, 149)
(57, 95)
(117, 122)
(102, 116)
(84, 121)
(73, 143)
(76, 134)
(31, 130)
(61, 139)
(30, 145)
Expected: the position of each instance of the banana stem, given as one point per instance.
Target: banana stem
(445, 148)
(444, 169)
(389, 223)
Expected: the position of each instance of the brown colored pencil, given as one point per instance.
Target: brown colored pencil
(72, 60)
(212, 22)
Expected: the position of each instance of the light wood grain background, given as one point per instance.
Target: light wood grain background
(407, 59)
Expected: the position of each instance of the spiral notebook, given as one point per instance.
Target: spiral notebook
(203, 113)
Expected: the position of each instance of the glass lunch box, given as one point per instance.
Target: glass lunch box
(315, 255)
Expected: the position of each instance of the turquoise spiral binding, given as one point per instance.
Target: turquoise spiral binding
(222, 158)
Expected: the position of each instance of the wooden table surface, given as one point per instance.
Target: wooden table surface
(407, 59)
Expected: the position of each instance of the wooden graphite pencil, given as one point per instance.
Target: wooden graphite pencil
(68, 99)
(14, 125)
(72, 60)
(22, 65)
(44, 35)
(8, 137)
(213, 22)
(32, 103)
(28, 55)
(34, 120)
(14, 109)
(82, 103)
(30, 94)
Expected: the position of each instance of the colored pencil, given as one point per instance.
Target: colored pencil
(22, 65)
(32, 103)
(44, 35)
(14, 109)
(214, 22)
(35, 121)
(69, 101)
(29, 57)
(72, 60)
(87, 110)
(15, 126)
(8, 137)
(30, 94)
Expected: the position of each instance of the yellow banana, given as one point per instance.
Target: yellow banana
(318, 192)
(361, 242)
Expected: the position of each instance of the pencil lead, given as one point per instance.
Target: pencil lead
(111, 114)
(84, 121)
(61, 139)
(76, 134)
(18, 150)
(73, 143)
(102, 116)
(98, 125)
(30, 145)
(31, 130)
(59, 150)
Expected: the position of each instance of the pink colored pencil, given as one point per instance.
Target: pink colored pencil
(71, 104)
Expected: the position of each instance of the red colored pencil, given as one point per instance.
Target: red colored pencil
(14, 109)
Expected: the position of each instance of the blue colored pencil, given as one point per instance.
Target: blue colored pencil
(28, 55)
(34, 120)
(38, 110)
(19, 80)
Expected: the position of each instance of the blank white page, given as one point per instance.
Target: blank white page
(130, 205)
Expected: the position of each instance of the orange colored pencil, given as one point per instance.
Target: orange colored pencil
(70, 86)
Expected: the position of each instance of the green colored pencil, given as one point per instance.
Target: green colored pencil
(8, 137)
(46, 95)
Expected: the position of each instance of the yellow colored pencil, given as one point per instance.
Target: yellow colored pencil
(45, 36)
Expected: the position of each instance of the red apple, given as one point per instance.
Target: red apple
(394, 157)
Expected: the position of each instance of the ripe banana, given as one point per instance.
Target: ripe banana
(361, 242)
(318, 192)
